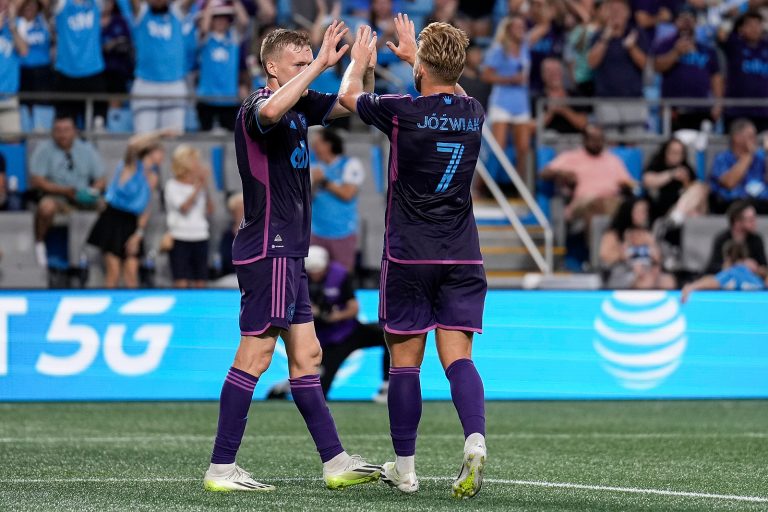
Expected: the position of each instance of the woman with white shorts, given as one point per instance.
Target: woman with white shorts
(506, 66)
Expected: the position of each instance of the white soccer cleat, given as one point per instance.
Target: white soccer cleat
(356, 471)
(407, 483)
(470, 478)
(234, 479)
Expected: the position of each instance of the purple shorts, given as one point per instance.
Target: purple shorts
(414, 299)
(273, 293)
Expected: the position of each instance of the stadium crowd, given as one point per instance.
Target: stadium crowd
(159, 54)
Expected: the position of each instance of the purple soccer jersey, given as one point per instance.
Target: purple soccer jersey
(435, 142)
(274, 167)
(747, 74)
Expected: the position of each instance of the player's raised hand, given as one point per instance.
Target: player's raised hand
(365, 43)
(406, 39)
(328, 55)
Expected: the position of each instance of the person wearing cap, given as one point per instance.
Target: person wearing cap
(689, 69)
(219, 60)
(335, 311)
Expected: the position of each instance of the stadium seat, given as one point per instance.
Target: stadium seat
(633, 160)
(18, 268)
(698, 235)
(217, 166)
(119, 120)
(16, 162)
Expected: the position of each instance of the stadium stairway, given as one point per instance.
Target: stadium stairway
(506, 258)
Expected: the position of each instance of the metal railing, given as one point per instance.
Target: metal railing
(666, 107)
(544, 261)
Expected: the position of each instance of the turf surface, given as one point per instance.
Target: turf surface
(151, 456)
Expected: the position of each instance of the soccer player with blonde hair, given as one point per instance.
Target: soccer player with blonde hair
(432, 275)
(268, 254)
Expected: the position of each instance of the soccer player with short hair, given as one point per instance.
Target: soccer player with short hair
(269, 251)
(432, 269)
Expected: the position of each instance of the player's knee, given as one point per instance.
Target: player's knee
(315, 356)
(255, 364)
(307, 362)
(254, 358)
(46, 208)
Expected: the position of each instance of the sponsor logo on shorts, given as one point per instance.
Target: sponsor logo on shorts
(291, 311)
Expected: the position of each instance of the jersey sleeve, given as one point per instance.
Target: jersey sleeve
(379, 111)
(250, 115)
(316, 107)
(353, 173)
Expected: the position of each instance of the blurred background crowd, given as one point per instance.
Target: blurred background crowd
(635, 124)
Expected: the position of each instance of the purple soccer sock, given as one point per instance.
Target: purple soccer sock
(404, 402)
(308, 396)
(468, 395)
(236, 396)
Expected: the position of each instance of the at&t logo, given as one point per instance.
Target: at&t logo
(640, 337)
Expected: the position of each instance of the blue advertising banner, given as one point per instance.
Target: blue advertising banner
(178, 345)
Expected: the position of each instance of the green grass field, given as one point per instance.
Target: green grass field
(711, 455)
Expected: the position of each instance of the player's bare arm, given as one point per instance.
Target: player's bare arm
(286, 96)
(352, 85)
(339, 110)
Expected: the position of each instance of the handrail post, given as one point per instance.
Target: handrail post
(88, 121)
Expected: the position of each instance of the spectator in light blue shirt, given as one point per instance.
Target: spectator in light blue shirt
(119, 229)
(735, 276)
(336, 184)
(159, 39)
(67, 173)
(740, 171)
(79, 62)
(507, 67)
(36, 74)
(220, 62)
(12, 47)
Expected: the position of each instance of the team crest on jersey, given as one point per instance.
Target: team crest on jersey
(300, 156)
(290, 312)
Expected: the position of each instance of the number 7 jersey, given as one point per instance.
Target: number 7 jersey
(434, 145)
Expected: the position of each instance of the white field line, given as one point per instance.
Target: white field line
(130, 438)
(499, 481)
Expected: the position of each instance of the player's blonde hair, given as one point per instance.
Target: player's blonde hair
(184, 159)
(443, 49)
(278, 39)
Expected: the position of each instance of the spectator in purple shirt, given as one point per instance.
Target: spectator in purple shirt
(618, 56)
(689, 69)
(746, 50)
(547, 39)
(648, 14)
(117, 48)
